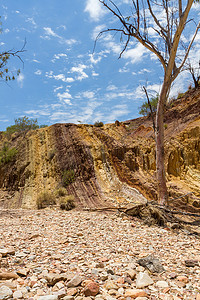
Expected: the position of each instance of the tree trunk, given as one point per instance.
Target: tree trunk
(160, 162)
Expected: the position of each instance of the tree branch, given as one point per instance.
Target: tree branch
(187, 52)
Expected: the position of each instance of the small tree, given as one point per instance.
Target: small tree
(21, 125)
(167, 19)
(145, 107)
(24, 123)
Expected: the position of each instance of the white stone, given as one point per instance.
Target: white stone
(162, 284)
(143, 280)
(17, 295)
(48, 297)
(5, 292)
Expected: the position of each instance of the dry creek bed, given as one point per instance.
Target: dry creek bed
(51, 254)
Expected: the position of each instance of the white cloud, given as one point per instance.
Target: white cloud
(95, 74)
(89, 94)
(50, 32)
(81, 74)
(144, 71)
(124, 70)
(35, 112)
(111, 87)
(59, 77)
(58, 56)
(58, 88)
(36, 61)
(93, 60)
(38, 72)
(65, 97)
(31, 20)
(136, 54)
(20, 80)
(97, 30)
(117, 112)
(95, 9)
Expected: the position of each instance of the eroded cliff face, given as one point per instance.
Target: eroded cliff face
(112, 165)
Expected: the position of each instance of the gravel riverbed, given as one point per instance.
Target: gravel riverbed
(53, 254)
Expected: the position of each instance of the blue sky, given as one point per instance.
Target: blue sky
(62, 80)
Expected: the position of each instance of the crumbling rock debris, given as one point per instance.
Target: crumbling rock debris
(151, 263)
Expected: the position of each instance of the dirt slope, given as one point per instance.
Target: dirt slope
(112, 164)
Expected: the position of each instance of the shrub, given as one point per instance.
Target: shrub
(67, 203)
(45, 199)
(61, 192)
(180, 95)
(68, 177)
(145, 109)
(98, 124)
(23, 124)
(7, 154)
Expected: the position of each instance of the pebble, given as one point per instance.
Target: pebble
(143, 280)
(8, 275)
(162, 284)
(48, 297)
(90, 255)
(75, 281)
(5, 292)
(91, 289)
(17, 295)
(134, 293)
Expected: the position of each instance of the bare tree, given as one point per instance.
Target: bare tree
(166, 19)
(195, 73)
(5, 73)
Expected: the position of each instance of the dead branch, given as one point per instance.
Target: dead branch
(149, 103)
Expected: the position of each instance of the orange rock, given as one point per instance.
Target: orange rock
(8, 275)
(103, 259)
(134, 293)
(120, 280)
(183, 279)
(91, 289)
(72, 291)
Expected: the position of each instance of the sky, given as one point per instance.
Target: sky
(62, 80)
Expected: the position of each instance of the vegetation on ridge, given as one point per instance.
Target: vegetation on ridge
(7, 154)
(23, 124)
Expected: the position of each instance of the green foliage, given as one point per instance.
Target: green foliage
(68, 177)
(45, 199)
(61, 192)
(7, 154)
(98, 124)
(21, 125)
(145, 109)
(43, 126)
(67, 203)
(180, 95)
(25, 123)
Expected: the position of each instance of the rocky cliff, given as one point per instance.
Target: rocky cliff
(112, 164)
